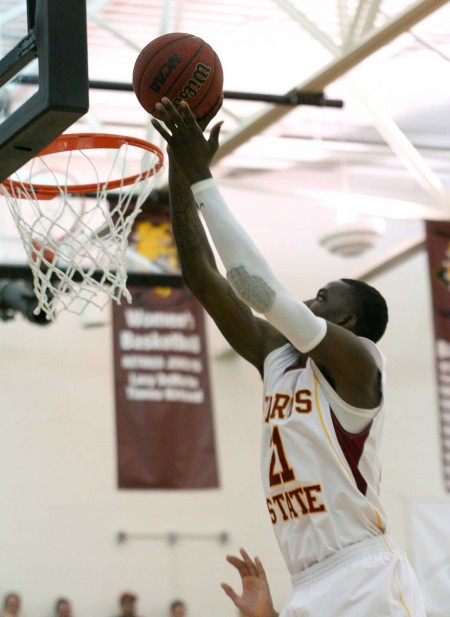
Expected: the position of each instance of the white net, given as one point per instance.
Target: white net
(76, 243)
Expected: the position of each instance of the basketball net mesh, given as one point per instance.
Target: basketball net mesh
(76, 245)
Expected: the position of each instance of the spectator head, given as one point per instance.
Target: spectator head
(178, 608)
(128, 604)
(11, 604)
(63, 608)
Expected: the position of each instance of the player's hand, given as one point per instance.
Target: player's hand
(189, 147)
(206, 119)
(255, 600)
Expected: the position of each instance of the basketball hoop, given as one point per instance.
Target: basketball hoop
(75, 239)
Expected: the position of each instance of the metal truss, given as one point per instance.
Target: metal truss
(360, 41)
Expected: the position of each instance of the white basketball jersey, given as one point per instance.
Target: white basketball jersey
(321, 482)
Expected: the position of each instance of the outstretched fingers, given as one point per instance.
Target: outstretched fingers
(161, 130)
(251, 566)
(230, 592)
(178, 121)
(214, 135)
(169, 114)
(180, 117)
(260, 568)
(186, 113)
(239, 564)
(245, 566)
(171, 118)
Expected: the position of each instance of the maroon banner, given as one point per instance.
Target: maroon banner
(438, 246)
(165, 435)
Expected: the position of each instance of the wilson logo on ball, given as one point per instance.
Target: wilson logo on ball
(199, 76)
(181, 67)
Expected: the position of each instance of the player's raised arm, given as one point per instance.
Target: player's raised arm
(329, 339)
(249, 335)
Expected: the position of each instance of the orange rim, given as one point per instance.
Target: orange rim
(86, 141)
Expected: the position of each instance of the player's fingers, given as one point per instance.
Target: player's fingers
(187, 115)
(238, 564)
(230, 592)
(161, 130)
(260, 568)
(169, 114)
(235, 561)
(179, 114)
(248, 562)
(214, 136)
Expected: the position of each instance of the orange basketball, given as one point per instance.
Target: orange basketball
(182, 67)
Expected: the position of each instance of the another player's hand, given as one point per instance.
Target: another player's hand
(189, 147)
(255, 600)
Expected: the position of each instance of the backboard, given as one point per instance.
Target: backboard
(44, 86)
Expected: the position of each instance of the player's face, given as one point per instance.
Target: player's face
(332, 302)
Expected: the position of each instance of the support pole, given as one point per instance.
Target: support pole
(173, 537)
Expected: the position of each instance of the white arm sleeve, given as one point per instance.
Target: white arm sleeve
(250, 275)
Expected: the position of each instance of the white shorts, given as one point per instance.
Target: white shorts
(372, 578)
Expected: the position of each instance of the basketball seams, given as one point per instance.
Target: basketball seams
(200, 79)
(211, 84)
(188, 67)
(169, 92)
(145, 61)
(175, 87)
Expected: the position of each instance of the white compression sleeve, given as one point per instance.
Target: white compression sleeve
(250, 275)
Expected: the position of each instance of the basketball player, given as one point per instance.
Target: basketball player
(323, 397)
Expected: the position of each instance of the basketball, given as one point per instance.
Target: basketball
(182, 67)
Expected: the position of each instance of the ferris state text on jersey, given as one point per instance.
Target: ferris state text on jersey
(299, 500)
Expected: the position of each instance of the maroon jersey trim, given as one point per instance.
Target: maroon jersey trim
(300, 364)
(352, 446)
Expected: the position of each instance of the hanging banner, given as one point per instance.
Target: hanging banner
(438, 246)
(165, 435)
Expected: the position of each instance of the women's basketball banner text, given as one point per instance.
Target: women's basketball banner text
(165, 437)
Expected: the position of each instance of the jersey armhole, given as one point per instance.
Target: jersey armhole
(353, 419)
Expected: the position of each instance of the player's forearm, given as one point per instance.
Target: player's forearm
(192, 243)
(250, 275)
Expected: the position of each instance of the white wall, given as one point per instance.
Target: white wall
(59, 506)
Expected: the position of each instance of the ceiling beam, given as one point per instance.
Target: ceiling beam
(392, 259)
(343, 18)
(102, 23)
(307, 24)
(338, 67)
(363, 21)
(402, 147)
